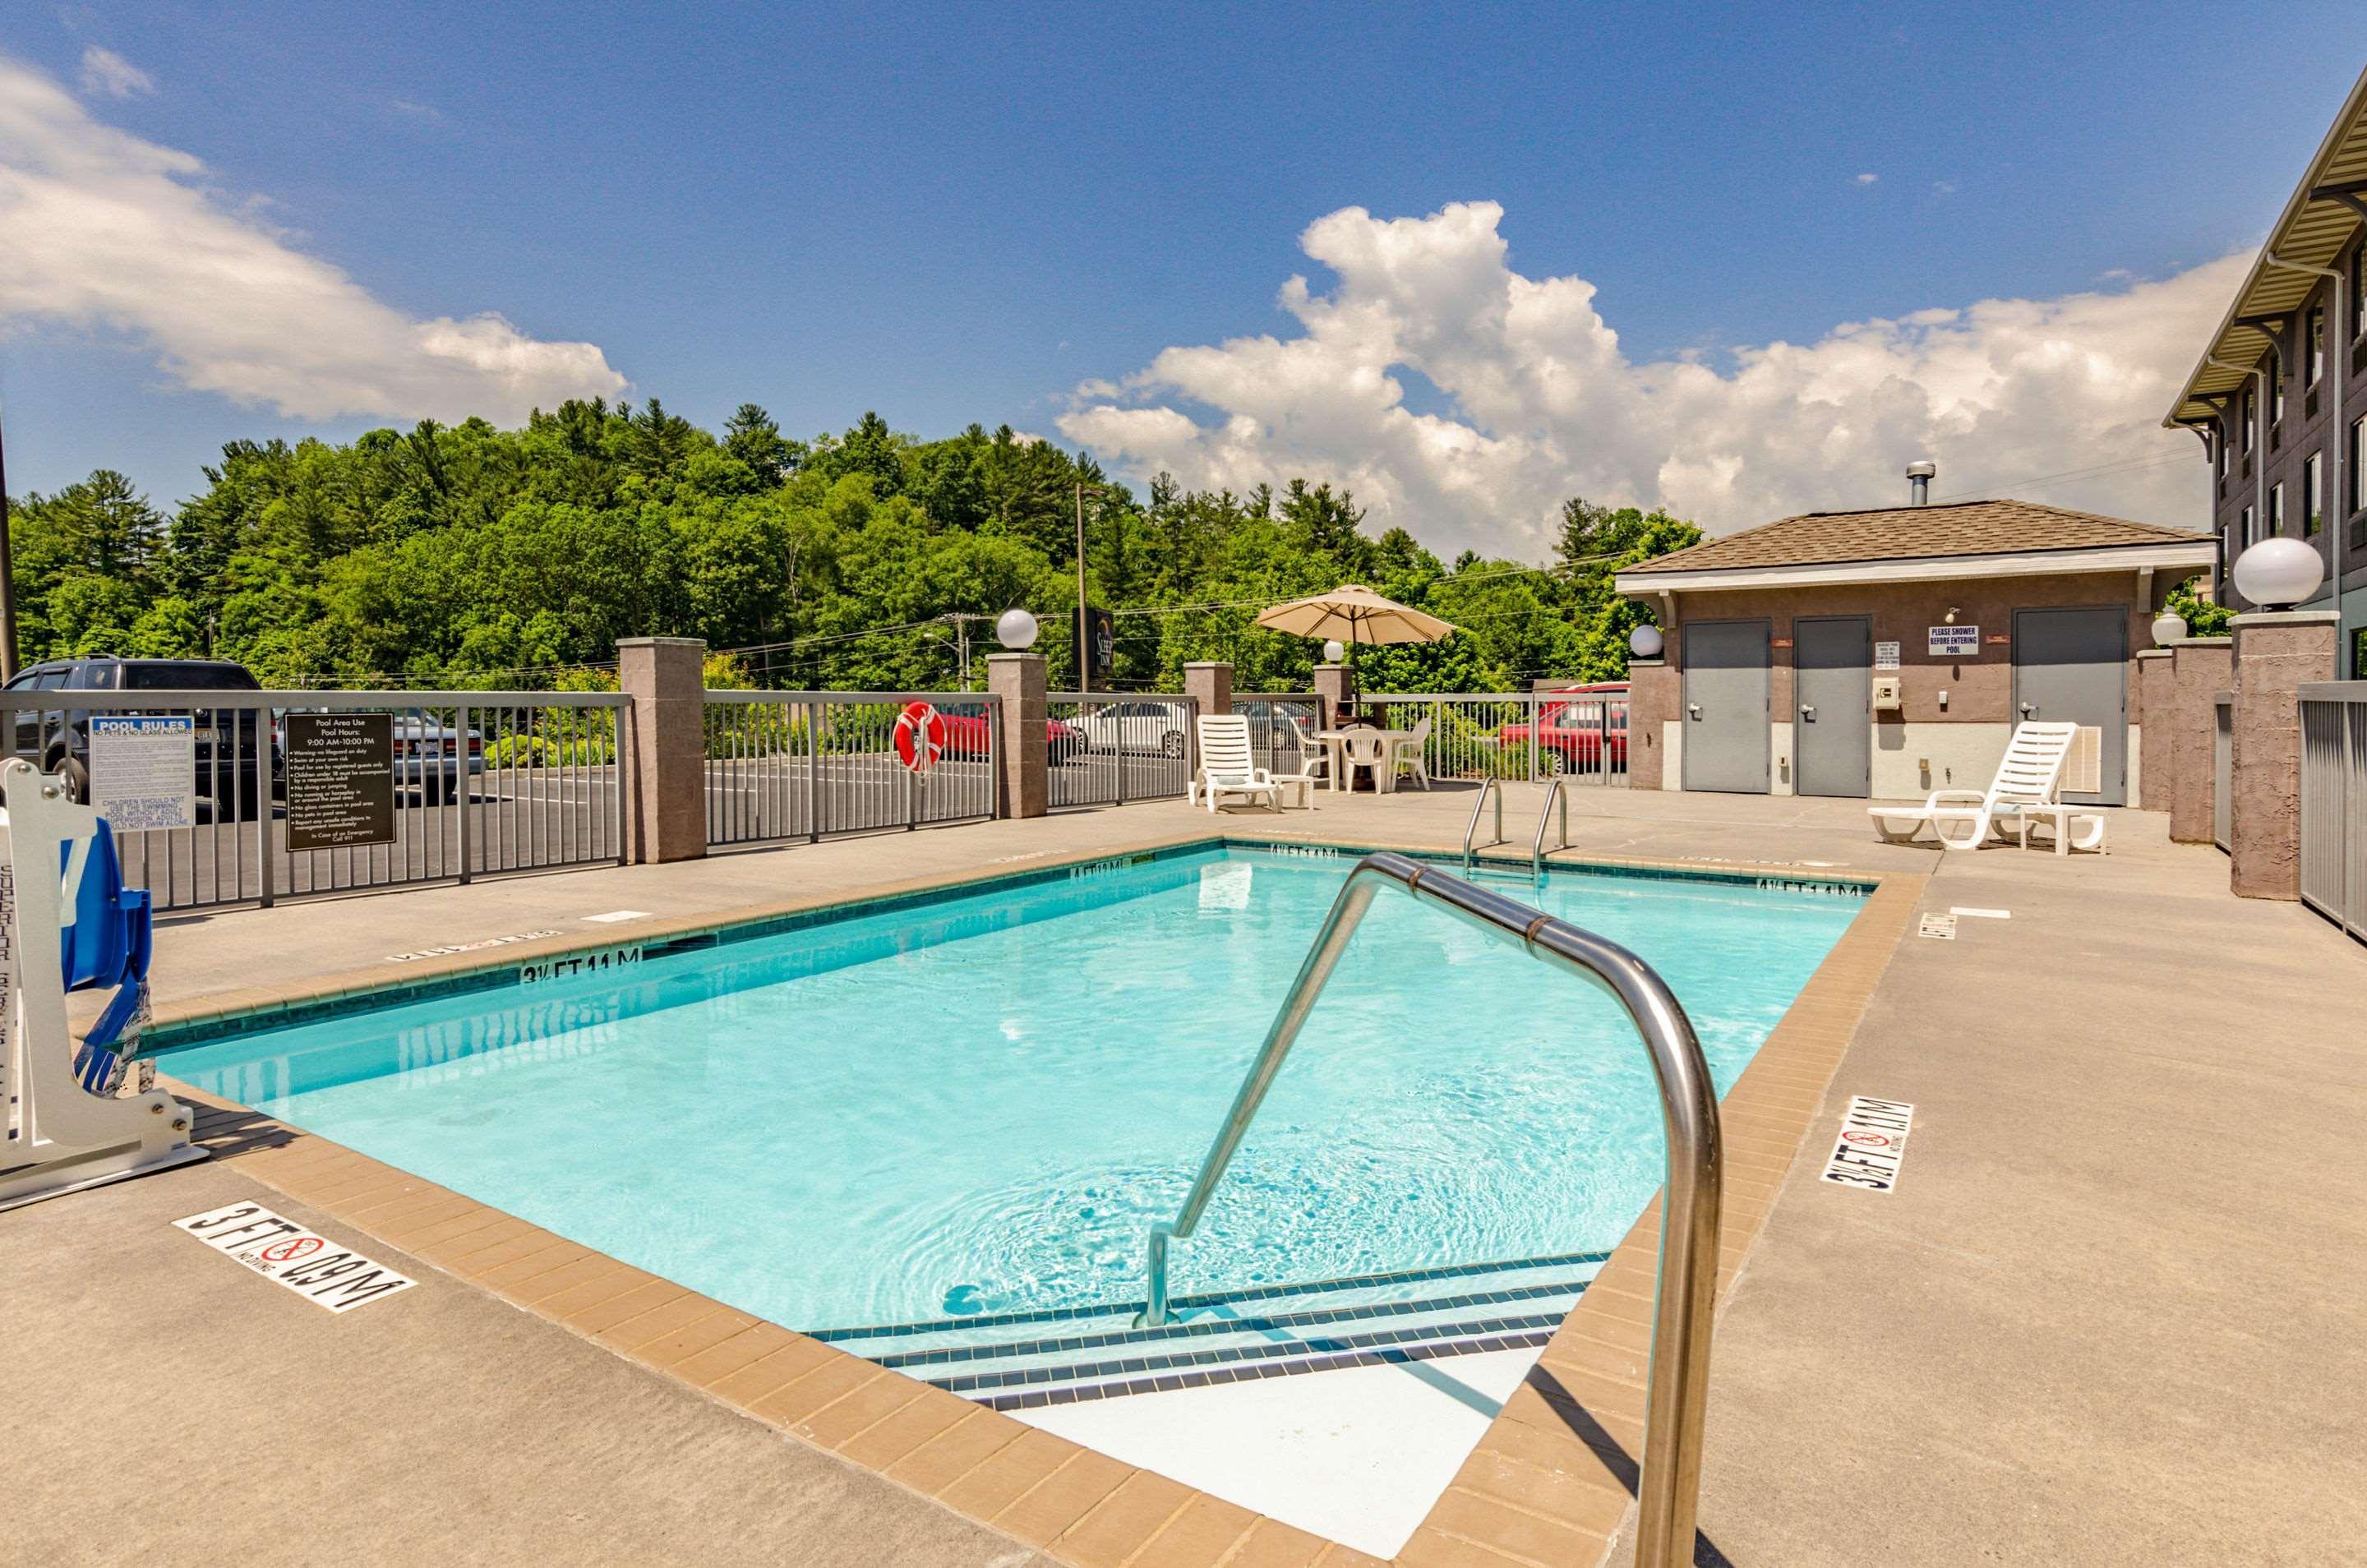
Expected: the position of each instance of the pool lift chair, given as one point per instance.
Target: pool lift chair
(71, 1119)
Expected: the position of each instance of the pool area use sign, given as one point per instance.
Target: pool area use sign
(1886, 656)
(143, 770)
(304, 1261)
(340, 780)
(1955, 642)
(1871, 1144)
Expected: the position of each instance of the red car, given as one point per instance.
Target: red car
(966, 733)
(1577, 727)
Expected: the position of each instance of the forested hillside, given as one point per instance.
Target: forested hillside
(469, 556)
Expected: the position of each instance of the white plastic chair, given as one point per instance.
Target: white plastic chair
(1314, 757)
(2028, 777)
(1228, 766)
(1410, 753)
(1368, 749)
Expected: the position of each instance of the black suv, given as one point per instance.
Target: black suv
(57, 740)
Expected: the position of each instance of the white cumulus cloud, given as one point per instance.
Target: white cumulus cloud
(104, 71)
(1540, 403)
(99, 229)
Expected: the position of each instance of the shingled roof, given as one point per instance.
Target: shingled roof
(1911, 533)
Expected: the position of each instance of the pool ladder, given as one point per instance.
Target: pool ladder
(1488, 787)
(1537, 850)
(1677, 1386)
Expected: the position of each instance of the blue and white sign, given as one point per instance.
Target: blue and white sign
(1955, 642)
(143, 770)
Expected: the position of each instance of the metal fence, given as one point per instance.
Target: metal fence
(1520, 736)
(2334, 802)
(482, 782)
(1283, 726)
(2222, 768)
(806, 764)
(1107, 748)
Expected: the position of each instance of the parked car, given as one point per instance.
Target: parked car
(230, 741)
(1146, 728)
(1577, 726)
(965, 734)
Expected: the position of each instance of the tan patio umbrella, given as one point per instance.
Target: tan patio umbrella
(1352, 614)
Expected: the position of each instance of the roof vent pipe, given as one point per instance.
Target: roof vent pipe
(1919, 482)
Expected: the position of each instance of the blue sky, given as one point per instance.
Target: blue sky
(961, 214)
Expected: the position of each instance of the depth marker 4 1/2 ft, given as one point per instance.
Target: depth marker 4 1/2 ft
(287, 1254)
(1872, 1144)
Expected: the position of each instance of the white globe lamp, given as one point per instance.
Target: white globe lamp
(1016, 629)
(2167, 628)
(2276, 573)
(1333, 652)
(1644, 642)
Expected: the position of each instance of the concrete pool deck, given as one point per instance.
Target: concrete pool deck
(2101, 1319)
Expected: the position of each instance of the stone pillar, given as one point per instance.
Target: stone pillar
(668, 744)
(1332, 688)
(2276, 651)
(2200, 666)
(2154, 730)
(1211, 685)
(1651, 703)
(1020, 750)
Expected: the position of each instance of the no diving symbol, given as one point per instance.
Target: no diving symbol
(289, 1251)
(1869, 1139)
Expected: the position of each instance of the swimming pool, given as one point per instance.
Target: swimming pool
(980, 1105)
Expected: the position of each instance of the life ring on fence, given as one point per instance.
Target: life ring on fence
(920, 736)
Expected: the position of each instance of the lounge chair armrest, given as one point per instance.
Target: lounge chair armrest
(1955, 798)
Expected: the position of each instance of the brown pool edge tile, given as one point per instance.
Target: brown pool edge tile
(1551, 1474)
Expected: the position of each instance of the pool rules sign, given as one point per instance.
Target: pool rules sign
(340, 780)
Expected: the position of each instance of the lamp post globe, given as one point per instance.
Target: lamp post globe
(2276, 573)
(1333, 652)
(1016, 629)
(2167, 628)
(1644, 642)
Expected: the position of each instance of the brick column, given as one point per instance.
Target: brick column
(2155, 683)
(1332, 687)
(1020, 750)
(2276, 651)
(2198, 666)
(1651, 703)
(1211, 685)
(668, 744)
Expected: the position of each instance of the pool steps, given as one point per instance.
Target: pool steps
(1025, 1361)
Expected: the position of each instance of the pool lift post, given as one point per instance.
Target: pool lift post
(1677, 1391)
(56, 1136)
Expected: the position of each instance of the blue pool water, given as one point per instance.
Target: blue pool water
(980, 1105)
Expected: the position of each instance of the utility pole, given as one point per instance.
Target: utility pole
(8, 581)
(1084, 627)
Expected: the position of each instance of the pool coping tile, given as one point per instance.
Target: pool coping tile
(1549, 1480)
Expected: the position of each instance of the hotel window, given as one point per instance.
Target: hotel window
(2244, 532)
(2314, 356)
(2359, 292)
(2276, 518)
(2354, 482)
(2276, 394)
(2219, 451)
(2249, 420)
(2313, 495)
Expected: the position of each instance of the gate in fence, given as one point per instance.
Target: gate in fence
(248, 796)
(2223, 769)
(1106, 748)
(1520, 736)
(2334, 802)
(807, 764)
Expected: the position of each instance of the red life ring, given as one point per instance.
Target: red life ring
(920, 736)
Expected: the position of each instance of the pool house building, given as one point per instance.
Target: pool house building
(1887, 653)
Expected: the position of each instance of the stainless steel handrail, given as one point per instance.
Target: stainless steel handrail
(1487, 787)
(1537, 845)
(1678, 1382)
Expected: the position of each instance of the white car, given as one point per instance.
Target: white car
(1144, 726)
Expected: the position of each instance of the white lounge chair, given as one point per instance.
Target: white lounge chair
(1963, 819)
(1410, 753)
(1228, 766)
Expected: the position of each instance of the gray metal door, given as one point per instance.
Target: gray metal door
(1726, 706)
(2073, 664)
(1832, 732)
